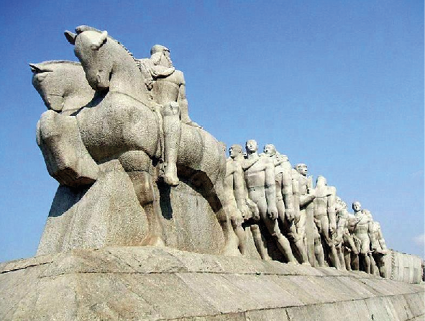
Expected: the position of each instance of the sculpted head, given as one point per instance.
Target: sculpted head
(367, 213)
(321, 181)
(269, 150)
(251, 146)
(235, 150)
(89, 47)
(356, 206)
(340, 203)
(302, 169)
(58, 79)
(163, 54)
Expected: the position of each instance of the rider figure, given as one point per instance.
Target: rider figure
(168, 90)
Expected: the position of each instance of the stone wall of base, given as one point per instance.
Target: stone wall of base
(403, 267)
(146, 283)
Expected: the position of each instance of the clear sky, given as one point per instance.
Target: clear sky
(338, 85)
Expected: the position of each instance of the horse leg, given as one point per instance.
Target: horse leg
(66, 157)
(137, 164)
(231, 240)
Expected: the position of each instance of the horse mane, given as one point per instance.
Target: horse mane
(55, 62)
(83, 28)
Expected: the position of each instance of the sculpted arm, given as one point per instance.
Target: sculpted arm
(372, 235)
(239, 186)
(270, 190)
(288, 195)
(381, 239)
(183, 103)
(331, 209)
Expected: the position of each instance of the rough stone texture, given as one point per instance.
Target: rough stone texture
(403, 267)
(149, 283)
(108, 213)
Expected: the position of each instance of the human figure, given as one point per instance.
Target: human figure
(259, 177)
(285, 199)
(235, 196)
(305, 198)
(363, 230)
(236, 153)
(168, 89)
(344, 241)
(380, 248)
(325, 223)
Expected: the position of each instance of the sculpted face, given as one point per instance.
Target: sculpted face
(251, 146)
(269, 150)
(95, 59)
(302, 169)
(235, 150)
(356, 206)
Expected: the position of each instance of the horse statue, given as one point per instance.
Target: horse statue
(62, 85)
(120, 123)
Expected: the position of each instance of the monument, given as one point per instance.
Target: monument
(151, 221)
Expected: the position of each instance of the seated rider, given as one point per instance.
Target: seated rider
(168, 89)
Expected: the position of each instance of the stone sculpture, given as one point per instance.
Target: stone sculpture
(259, 177)
(120, 124)
(344, 240)
(363, 231)
(235, 198)
(237, 155)
(380, 250)
(325, 222)
(168, 89)
(305, 200)
(62, 85)
(285, 200)
(114, 118)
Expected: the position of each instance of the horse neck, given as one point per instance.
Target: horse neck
(126, 77)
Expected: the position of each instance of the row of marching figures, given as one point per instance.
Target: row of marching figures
(306, 224)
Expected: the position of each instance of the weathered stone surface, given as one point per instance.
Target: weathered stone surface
(151, 283)
(403, 267)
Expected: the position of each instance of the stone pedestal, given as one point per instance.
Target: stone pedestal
(145, 283)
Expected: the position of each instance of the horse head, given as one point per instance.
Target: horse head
(89, 47)
(45, 85)
(61, 84)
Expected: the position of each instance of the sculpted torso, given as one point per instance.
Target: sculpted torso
(166, 89)
(255, 176)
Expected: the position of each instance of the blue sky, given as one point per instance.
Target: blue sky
(338, 85)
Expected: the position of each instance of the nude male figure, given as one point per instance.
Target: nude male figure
(344, 241)
(325, 222)
(305, 195)
(285, 199)
(236, 196)
(380, 247)
(236, 153)
(259, 177)
(363, 230)
(168, 89)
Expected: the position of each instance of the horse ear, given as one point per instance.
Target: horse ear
(101, 41)
(35, 68)
(70, 36)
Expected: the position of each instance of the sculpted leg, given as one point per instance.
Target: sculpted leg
(172, 133)
(318, 248)
(259, 242)
(333, 256)
(66, 157)
(236, 220)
